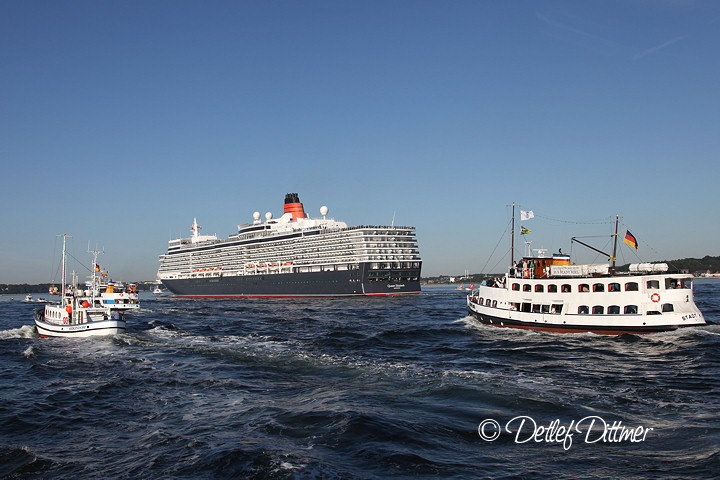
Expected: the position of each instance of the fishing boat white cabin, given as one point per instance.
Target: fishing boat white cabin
(75, 315)
(551, 294)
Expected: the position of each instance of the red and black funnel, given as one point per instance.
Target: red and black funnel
(293, 205)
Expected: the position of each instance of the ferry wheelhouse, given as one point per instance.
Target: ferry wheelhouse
(294, 255)
(551, 294)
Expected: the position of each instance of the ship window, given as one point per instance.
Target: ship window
(514, 306)
(566, 288)
(539, 288)
(494, 304)
(583, 309)
(631, 287)
(631, 309)
(598, 287)
(536, 308)
(598, 310)
(487, 302)
(527, 287)
(653, 284)
(556, 308)
(653, 312)
(516, 286)
(526, 307)
(584, 287)
(552, 288)
(614, 287)
(668, 307)
(545, 309)
(614, 310)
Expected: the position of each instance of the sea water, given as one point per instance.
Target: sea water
(402, 387)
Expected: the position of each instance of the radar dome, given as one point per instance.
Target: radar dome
(268, 216)
(324, 210)
(256, 215)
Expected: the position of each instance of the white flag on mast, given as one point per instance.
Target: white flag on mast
(526, 215)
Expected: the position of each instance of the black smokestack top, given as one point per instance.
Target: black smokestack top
(292, 198)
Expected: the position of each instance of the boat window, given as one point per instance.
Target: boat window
(566, 288)
(671, 283)
(583, 309)
(598, 287)
(653, 312)
(651, 284)
(526, 307)
(480, 301)
(487, 302)
(614, 287)
(668, 307)
(631, 287)
(536, 308)
(598, 310)
(539, 288)
(516, 286)
(631, 309)
(514, 306)
(545, 309)
(556, 308)
(614, 310)
(552, 288)
(527, 287)
(584, 287)
(494, 304)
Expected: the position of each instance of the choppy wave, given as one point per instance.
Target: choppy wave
(356, 388)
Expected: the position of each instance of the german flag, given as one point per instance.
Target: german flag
(631, 240)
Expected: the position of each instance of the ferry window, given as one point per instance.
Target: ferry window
(598, 310)
(668, 307)
(653, 312)
(671, 283)
(526, 307)
(494, 304)
(566, 288)
(516, 286)
(480, 301)
(536, 308)
(598, 287)
(552, 288)
(514, 306)
(631, 287)
(556, 308)
(686, 283)
(614, 287)
(614, 310)
(539, 288)
(487, 302)
(651, 284)
(527, 287)
(583, 309)
(631, 309)
(545, 309)
(584, 287)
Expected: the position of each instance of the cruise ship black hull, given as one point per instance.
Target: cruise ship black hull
(325, 284)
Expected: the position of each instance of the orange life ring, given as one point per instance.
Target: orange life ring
(655, 297)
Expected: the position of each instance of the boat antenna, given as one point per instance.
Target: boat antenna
(95, 268)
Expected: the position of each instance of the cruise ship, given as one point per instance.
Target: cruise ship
(294, 255)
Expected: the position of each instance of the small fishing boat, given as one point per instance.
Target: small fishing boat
(551, 294)
(76, 315)
(28, 298)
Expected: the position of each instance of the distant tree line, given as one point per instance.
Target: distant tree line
(24, 288)
(692, 265)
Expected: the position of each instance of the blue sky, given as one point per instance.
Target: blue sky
(121, 121)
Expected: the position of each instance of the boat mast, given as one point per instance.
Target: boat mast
(62, 280)
(612, 269)
(512, 237)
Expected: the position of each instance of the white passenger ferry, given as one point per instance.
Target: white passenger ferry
(551, 294)
(294, 255)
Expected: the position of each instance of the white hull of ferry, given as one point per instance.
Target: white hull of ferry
(608, 305)
(95, 325)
